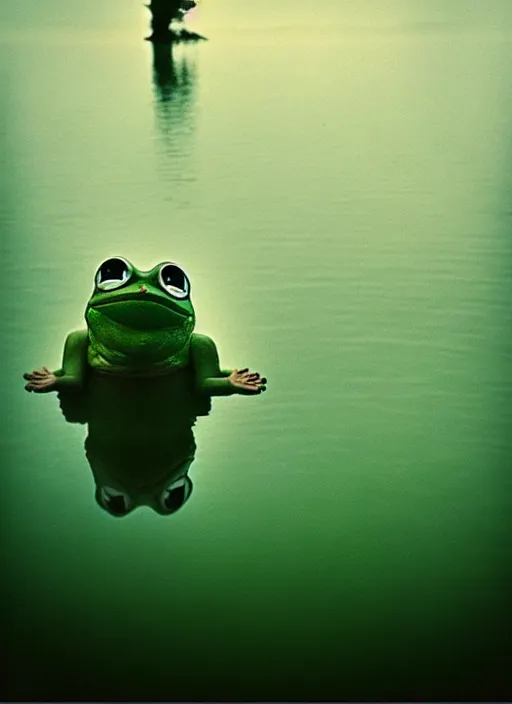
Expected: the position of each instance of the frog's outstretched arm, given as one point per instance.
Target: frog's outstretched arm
(73, 372)
(211, 380)
(74, 361)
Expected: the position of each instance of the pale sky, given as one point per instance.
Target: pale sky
(122, 14)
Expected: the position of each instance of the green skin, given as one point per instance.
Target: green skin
(141, 329)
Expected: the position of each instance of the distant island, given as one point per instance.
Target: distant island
(167, 22)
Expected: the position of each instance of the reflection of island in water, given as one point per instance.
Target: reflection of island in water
(140, 443)
(173, 78)
(174, 82)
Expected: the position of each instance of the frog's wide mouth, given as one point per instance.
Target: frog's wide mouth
(142, 311)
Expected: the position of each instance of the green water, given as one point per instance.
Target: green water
(339, 195)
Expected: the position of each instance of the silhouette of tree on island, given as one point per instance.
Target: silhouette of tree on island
(167, 20)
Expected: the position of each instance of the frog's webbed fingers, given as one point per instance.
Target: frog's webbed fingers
(38, 389)
(40, 380)
(44, 381)
(251, 382)
(252, 388)
(40, 386)
(37, 373)
(251, 377)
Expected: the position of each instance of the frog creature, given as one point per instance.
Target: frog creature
(141, 324)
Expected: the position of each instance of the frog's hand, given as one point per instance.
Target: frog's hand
(209, 379)
(73, 372)
(247, 382)
(40, 381)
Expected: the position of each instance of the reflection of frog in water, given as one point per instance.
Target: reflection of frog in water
(140, 325)
(140, 444)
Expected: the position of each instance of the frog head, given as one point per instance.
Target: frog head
(138, 316)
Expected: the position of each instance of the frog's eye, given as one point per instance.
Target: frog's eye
(176, 494)
(174, 280)
(115, 502)
(113, 273)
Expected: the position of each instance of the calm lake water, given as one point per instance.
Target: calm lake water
(340, 198)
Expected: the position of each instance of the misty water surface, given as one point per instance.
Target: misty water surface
(336, 183)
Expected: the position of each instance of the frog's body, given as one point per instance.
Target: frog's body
(140, 324)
